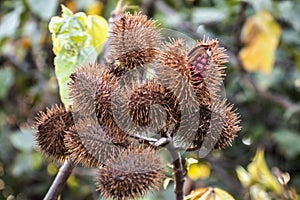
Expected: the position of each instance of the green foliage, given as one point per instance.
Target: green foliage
(290, 144)
(10, 22)
(77, 39)
(6, 79)
(28, 84)
(39, 7)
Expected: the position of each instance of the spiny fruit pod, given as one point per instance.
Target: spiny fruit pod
(144, 108)
(102, 98)
(134, 41)
(82, 88)
(206, 61)
(218, 126)
(131, 175)
(50, 129)
(90, 145)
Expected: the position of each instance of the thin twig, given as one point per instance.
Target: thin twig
(177, 170)
(60, 180)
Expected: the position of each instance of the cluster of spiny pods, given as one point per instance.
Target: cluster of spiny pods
(116, 107)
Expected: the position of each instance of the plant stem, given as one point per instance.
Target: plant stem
(177, 170)
(61, 178)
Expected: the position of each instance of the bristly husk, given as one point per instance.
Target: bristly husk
(145, 108)
(131, 175)
(174, 73)
(134, 41)
(50, 130)
(90, 145)
(230, 128)
(82, 88)
(102, 98)
(218, 126)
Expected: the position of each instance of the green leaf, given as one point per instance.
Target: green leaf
(6, 80)
(289, 142)
(22, 140)
(289, 12)
(37, 160)
(77, 40)
(260, 4)
(208, 15)
(44, 9)
(22, 164)
(10, 22)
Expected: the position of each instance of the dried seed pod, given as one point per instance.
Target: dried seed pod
(174, 73)
(131, 175)
(134, 40)
(230, 127)
(144, 108)
(50, 129)
(82, 87)
(174, 55)
(102, 98)
(90, 145)
(217, 127)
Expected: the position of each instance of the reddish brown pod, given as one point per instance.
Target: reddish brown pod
(131, 175)
(50, 129)
(134, 41)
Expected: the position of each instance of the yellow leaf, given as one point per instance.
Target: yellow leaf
(209, 193)
(98, 30)
(244, 176)
(260, 172)
(260, 35)
(198, 170)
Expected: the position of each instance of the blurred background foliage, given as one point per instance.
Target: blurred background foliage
(267, 94)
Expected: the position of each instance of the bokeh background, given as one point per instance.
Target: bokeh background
(263, 81)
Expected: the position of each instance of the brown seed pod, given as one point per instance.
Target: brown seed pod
(90, 145)
(230, 127)
(146, 108)
(133, 41)
(82, 88)
(50, 129)
(174, 73)
(102, 98)
(218, 126)
(174, 55)
(131, 175)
